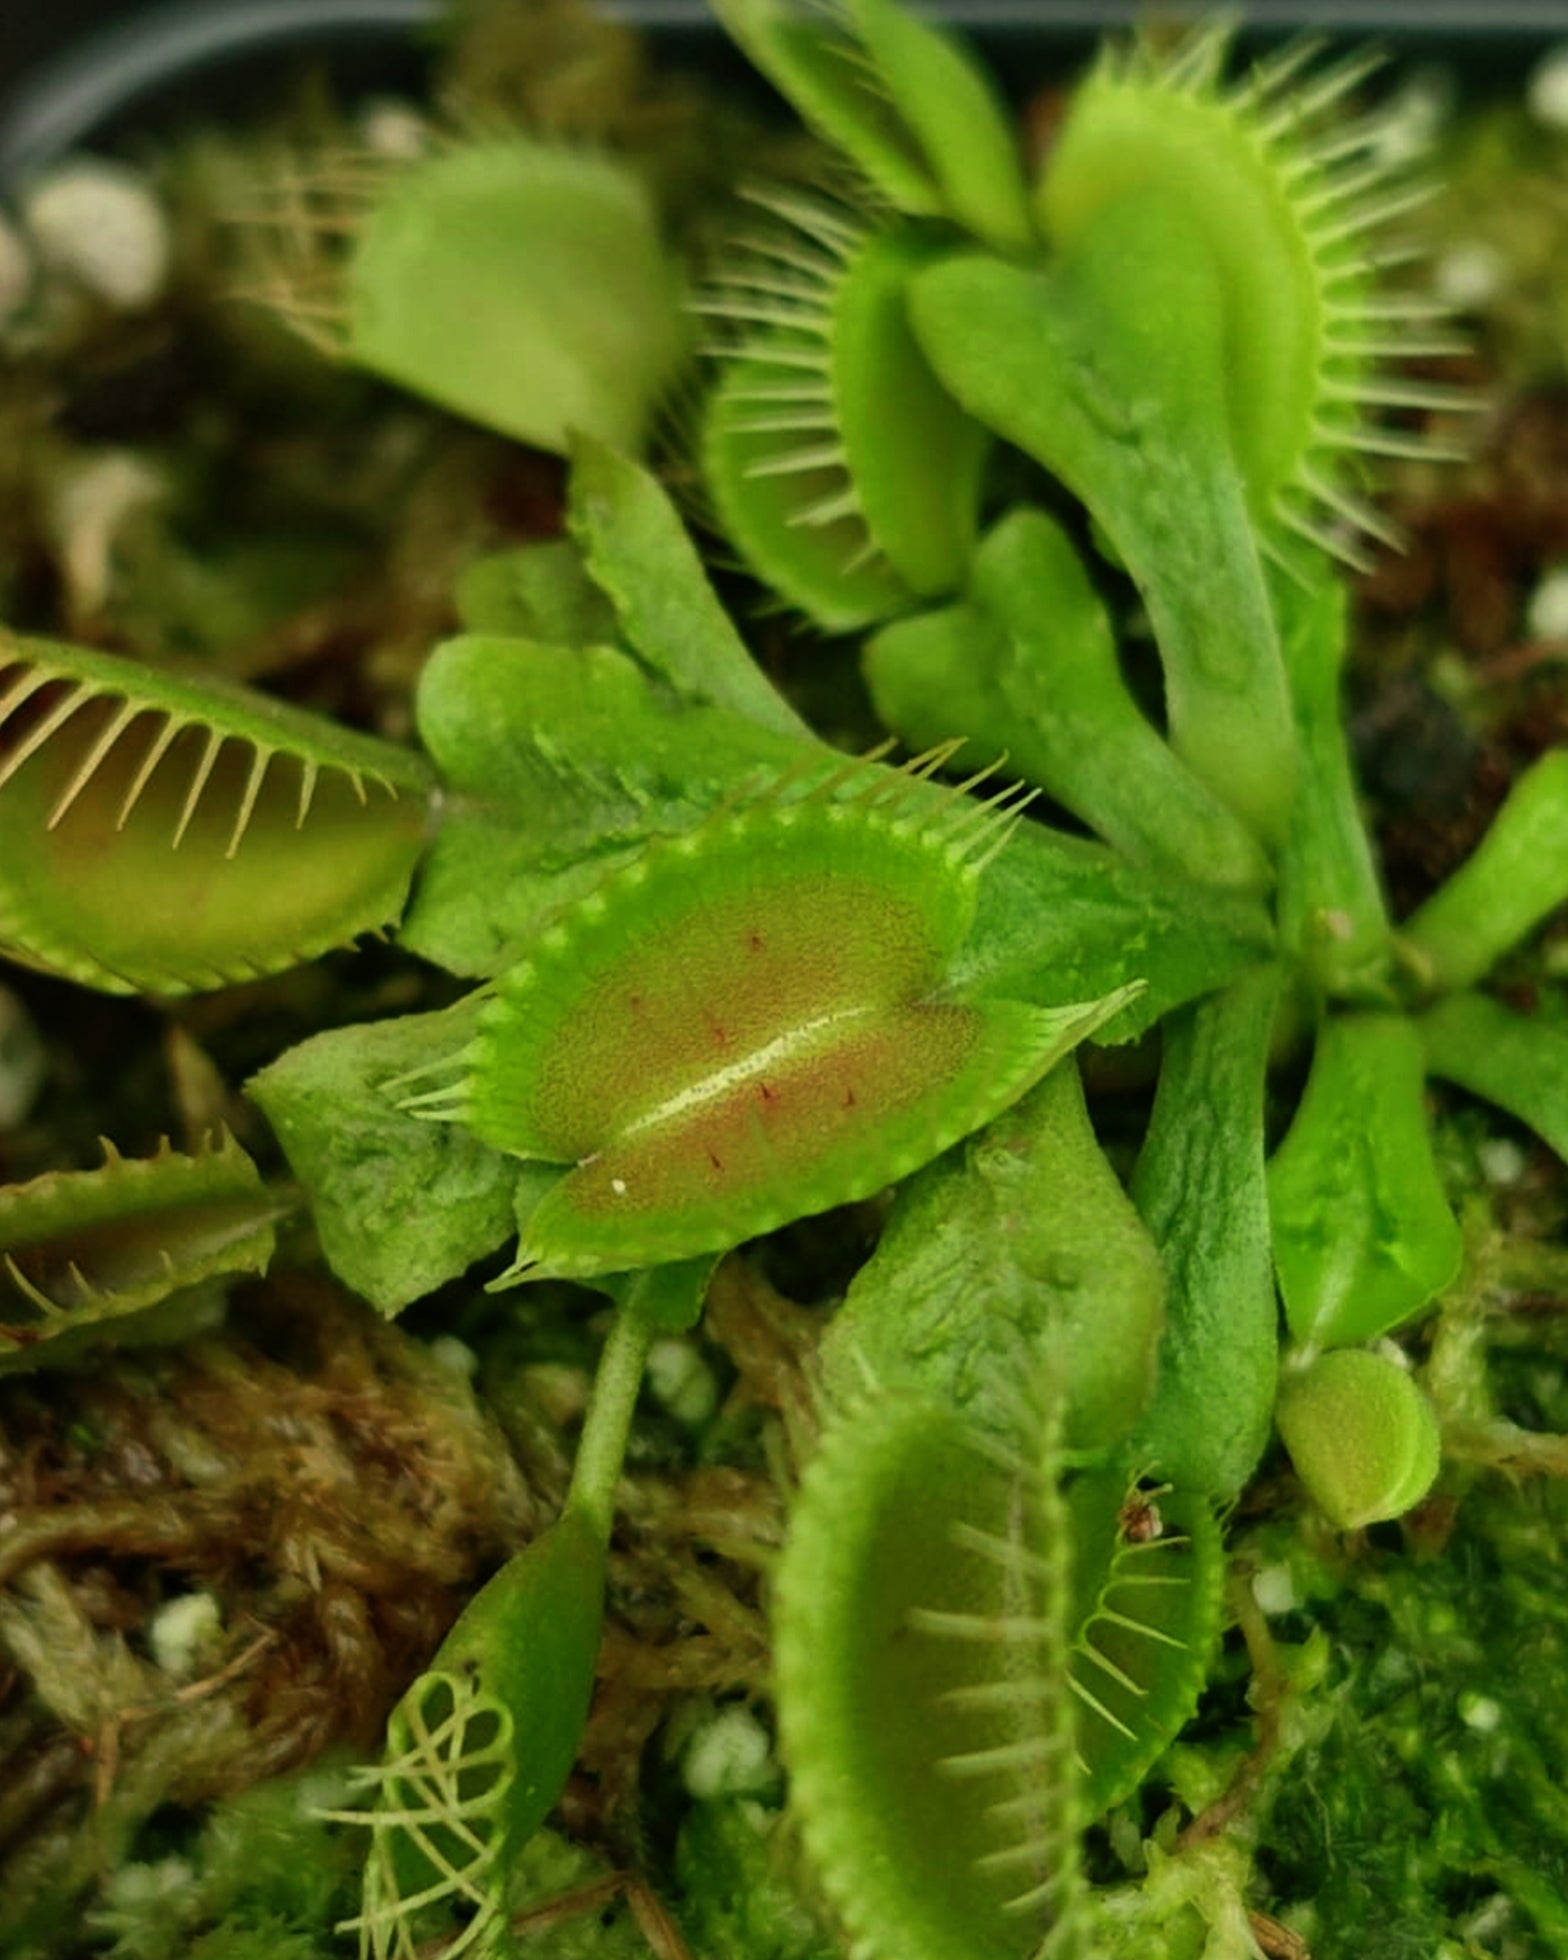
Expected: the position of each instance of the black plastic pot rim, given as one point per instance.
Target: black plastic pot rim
(67, 101)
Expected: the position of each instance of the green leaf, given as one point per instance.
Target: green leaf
(666, 1299)
(163, 834)
(1019, 1243)
(1199, 1185)
(1062, 920)
(535, 592)
(958, 121)
(522, 284)
(641, 558)
(1516, 875)
(1123, 398)
(558, 762)
(1363, 1236)
(1029, 665)
(1513, 1060)
(89, 1256)
(812, 65)
(400, 1206)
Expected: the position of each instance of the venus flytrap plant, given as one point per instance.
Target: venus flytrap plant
(1204, 422)
(1128, 408)
(732, 978)
(1053, 1630)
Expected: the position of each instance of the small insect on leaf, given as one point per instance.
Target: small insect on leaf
(1148, 1583)
(161, 835)
(751, 1024)
(81, 1252)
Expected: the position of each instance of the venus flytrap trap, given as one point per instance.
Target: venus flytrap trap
(480, 1748)
(518, 282)
(163, 834)
(923, 1639)
(902, 100)
(1362, 1435)
(713, 1053)
(127, 1249)
(839, 469)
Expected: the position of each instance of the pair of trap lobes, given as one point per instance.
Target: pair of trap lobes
(752, 1023)
(165, 835)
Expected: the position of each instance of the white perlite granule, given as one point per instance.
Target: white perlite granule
(101, 224)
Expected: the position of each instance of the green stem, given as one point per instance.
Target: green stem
(601, 1449)
(1517, 874)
